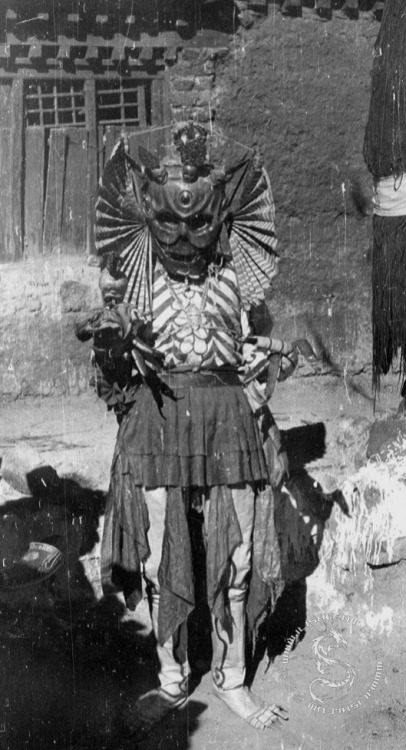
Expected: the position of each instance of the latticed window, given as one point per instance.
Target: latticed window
(53, 103)
(122, 102)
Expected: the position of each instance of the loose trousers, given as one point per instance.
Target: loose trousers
(244, 504)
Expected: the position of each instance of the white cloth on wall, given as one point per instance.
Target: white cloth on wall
(389, 196)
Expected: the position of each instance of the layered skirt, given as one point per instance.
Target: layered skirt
(205, 435)
(197, 440)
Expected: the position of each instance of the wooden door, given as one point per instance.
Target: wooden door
(6, 231)
(34, 190)
(11, 149)
(65, 208)
(71, 126)
(56, 167)
(74, 210)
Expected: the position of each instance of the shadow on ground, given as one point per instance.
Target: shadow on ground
(302, 510)
(65, 655)
(67, 658)
(64, 689)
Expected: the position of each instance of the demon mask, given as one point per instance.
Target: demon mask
(183, 204)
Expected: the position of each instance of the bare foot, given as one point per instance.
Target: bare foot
(249, 707)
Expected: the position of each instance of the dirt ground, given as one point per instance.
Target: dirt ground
(68, 661)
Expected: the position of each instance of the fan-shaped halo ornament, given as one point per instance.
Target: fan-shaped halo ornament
(251, 233)
(229, 213)
(121, 226)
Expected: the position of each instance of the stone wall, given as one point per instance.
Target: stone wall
(39, 354)
(193, 84)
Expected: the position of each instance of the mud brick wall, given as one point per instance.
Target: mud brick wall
(298, 90)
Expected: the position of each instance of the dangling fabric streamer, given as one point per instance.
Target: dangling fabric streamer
(385, 157)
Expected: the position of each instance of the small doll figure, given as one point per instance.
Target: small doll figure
(121, 358)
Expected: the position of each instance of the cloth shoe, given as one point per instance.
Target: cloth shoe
(173, 675)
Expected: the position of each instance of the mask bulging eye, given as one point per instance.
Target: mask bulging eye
(166, 218)
(199, 222)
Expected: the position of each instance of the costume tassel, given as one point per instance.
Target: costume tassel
(385, 157)
(388, 295)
